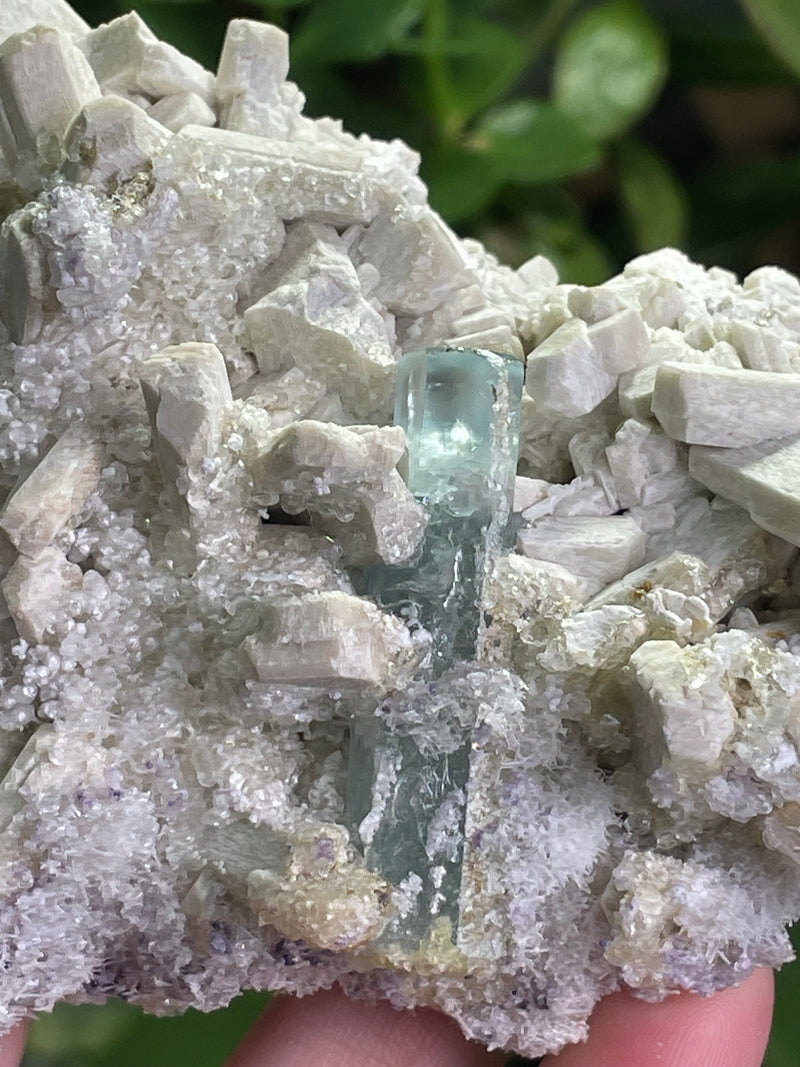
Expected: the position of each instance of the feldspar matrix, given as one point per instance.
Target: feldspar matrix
(294, 691)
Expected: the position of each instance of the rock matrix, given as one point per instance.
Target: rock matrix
(210, 731)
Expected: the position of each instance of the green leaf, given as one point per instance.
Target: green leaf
(87, 1031)
(329, 91)
(337, 31)
(720, 51)
(272, 5)
(547, 230)
(482, 59)
(779, 22)
(460, 182)
(89, 1035)
(496, 61)
(578, 256)
(734, 206)
(785, 1035)
(531, 141)
(547, 220)
(654, 203)
(610, 66)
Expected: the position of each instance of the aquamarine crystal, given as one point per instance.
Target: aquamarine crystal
(408, 775)
(460, 410)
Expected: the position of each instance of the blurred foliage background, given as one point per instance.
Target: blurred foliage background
(587, 130)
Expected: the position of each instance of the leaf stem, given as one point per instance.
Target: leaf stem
(437, 75)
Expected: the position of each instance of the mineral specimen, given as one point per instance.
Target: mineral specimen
(295, 692)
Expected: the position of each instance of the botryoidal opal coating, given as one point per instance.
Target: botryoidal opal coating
(294, 691)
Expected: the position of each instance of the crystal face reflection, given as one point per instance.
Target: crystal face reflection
(460, 411)
(408, 773)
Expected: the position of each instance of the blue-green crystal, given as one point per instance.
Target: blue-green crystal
(460, 411)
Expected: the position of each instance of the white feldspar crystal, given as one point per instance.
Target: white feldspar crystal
(111, 140)
(485, 329)
(647, 466)
(525, 599)
(695, 711)
(416, 256)
(338, 909)
(213, 741)
(671, 591)
(589, 461)
(741, 557)
(23, 280)
(127, 57)
(346, 478)
(578, 365)
(764, 479)
(297, 179)
(545, 439)
(667, 346)
(37, 591)
(321, 891)
(765, 349)
(20, 15)
(664, 908)
(690, 724)
(53, 493)
(730, 408)
(621, 341)
(597, 550)
(188, 395)
(35, 115)
(318, 312)
(331, 641)
(251, 84)
(182, 109)
(564, 374)
(528, 491)
(596, 639)
(286, 395)
(580, 497)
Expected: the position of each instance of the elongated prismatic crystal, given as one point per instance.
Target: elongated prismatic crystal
(460, 411)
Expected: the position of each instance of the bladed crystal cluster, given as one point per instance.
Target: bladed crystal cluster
(331, 652)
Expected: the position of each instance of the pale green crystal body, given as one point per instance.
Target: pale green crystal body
(460, 411)
(407, 782)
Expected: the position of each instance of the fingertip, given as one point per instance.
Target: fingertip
(12, 1045)
(329, 1029)
(728, 1029)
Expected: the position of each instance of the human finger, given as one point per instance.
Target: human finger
(12, 1046)
(329, 1029)
(728, 1029)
